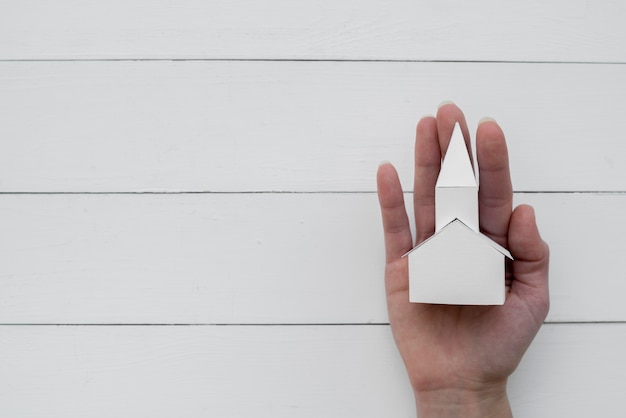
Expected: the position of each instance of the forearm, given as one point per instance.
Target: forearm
(492, 403)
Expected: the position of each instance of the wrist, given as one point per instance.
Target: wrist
(490, 402)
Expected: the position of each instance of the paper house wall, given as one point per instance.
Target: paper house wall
(457, 265)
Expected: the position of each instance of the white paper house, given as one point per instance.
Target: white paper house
(457, 265)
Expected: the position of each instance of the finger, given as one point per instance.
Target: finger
(495, 194)
(449, 115)
(531, 253)
(395, 221)
(427, 164)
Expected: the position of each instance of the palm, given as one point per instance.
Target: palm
(445, 345)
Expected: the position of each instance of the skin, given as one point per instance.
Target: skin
(458, 358)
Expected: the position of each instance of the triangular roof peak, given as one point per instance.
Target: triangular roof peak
(456, 167)
(459, 223)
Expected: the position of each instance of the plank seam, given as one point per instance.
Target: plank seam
(171, 192)
(346, 324)
(311, 60)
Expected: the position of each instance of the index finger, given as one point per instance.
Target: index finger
(395, 220)
(495, 193)
(427, 165)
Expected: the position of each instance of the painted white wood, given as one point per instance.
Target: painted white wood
(273, 371)
(304, 126)
(533, 30)
(258, 258)
(232, 126)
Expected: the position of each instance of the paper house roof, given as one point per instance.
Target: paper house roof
(480, 238)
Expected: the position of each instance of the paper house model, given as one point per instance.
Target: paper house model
(457, 265)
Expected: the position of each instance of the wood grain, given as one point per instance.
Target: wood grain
(281, 371)
(236, 97)
(563, 30)
(294, 126)
(258, 258)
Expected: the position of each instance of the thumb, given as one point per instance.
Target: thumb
(531, 254)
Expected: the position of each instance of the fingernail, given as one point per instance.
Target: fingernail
(444, 103)
(428, 116)
(486, 119)
(382, 163)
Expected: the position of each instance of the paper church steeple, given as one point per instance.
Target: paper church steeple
(456, 191)
(457, 265)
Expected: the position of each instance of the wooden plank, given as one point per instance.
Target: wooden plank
(308, 371)
(279, 29)
(294, 126)
(257, 258)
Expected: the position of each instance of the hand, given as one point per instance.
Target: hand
(458, 358)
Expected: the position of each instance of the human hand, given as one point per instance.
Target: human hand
(458, 358)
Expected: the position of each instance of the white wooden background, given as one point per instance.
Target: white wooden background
(188, 224)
